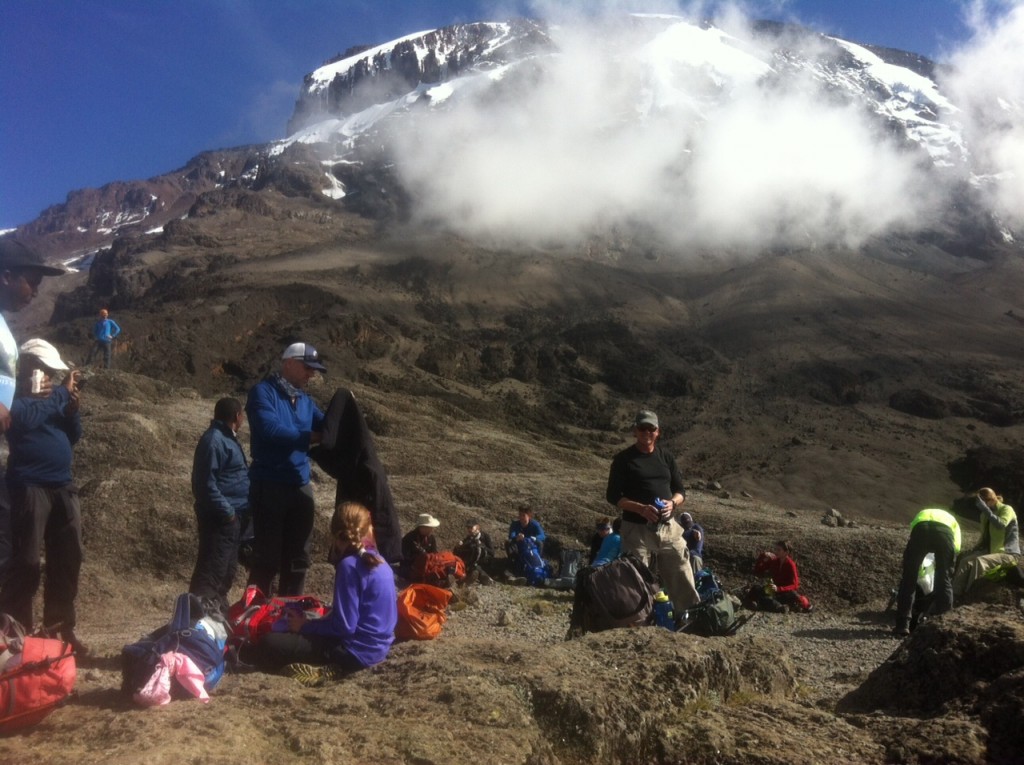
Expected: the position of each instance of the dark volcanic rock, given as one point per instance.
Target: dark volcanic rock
(949, 662)
(919, 403)
(996, 468)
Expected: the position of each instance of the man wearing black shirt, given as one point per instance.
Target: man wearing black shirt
(645, 484)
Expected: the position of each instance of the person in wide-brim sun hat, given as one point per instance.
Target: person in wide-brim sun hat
(418, 542)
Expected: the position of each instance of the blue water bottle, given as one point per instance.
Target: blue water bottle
(663, 615)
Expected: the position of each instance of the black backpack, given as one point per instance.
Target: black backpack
(618, 594)
(181, 634)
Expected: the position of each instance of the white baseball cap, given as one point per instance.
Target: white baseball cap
(46, 353)
(305, 353)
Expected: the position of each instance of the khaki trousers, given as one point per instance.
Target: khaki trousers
(666, 541)
(973, 566)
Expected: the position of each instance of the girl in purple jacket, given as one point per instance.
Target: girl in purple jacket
(360, 627)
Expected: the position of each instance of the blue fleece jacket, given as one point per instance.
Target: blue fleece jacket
(40, 440)
(105, 330)
(364, 612)
(279, 434)
(220, 474)
(532, 529)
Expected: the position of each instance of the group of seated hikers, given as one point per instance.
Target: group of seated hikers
(359, 631)
(422, 560)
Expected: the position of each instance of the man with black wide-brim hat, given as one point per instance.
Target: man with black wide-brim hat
(21, 272)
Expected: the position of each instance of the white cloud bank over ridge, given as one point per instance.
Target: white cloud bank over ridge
(987, 80)
(682, 135)
(694, 135)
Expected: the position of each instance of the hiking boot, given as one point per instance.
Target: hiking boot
(900, 631)
(484, 578)
(473, 576)
(312, 675)
(81, 649)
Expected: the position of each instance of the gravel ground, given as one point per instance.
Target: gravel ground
(834, 651)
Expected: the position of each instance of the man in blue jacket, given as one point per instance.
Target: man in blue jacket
(283, 423)
(45, 511)
(104, 331)
(525, 543)
(220, 485)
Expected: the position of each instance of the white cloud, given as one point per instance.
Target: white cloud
(686, 135)
(986, 78)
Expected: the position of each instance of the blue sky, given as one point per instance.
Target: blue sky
(102, 90)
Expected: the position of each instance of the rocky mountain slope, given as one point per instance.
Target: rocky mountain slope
(500, 683)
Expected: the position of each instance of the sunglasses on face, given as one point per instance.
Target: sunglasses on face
(647, 429)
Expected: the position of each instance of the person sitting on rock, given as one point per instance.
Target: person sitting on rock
(602, 529)
(475, 549)
(998, 545)
(611, 546)
(782, 592)
(523, 533)
(693, 533)
(360, 628)
(419, 541)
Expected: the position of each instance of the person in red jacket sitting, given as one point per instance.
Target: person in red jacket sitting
(783, 590)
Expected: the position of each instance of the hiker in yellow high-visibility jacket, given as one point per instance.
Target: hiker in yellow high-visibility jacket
(932, 531)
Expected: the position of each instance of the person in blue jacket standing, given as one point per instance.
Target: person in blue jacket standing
(220, 486)
(45, 509)
(283, 423)
(104, 331)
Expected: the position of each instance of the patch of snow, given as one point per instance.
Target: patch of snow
(157, 230)
(336, 190)
(321, 78)
(906, 85)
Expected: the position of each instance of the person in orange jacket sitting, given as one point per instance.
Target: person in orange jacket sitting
(783, 590)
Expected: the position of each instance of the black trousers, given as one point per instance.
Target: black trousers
(282, 519)
(926, 537)
(278, 649)
(52, 519)
(217, 560)
(6, 539)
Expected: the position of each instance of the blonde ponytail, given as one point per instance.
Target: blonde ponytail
(351, 529)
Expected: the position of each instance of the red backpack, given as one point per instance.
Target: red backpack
(34, 682)
(255, 614)
(435, 568)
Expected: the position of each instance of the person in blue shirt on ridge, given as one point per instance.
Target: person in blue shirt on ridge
(104, 331)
